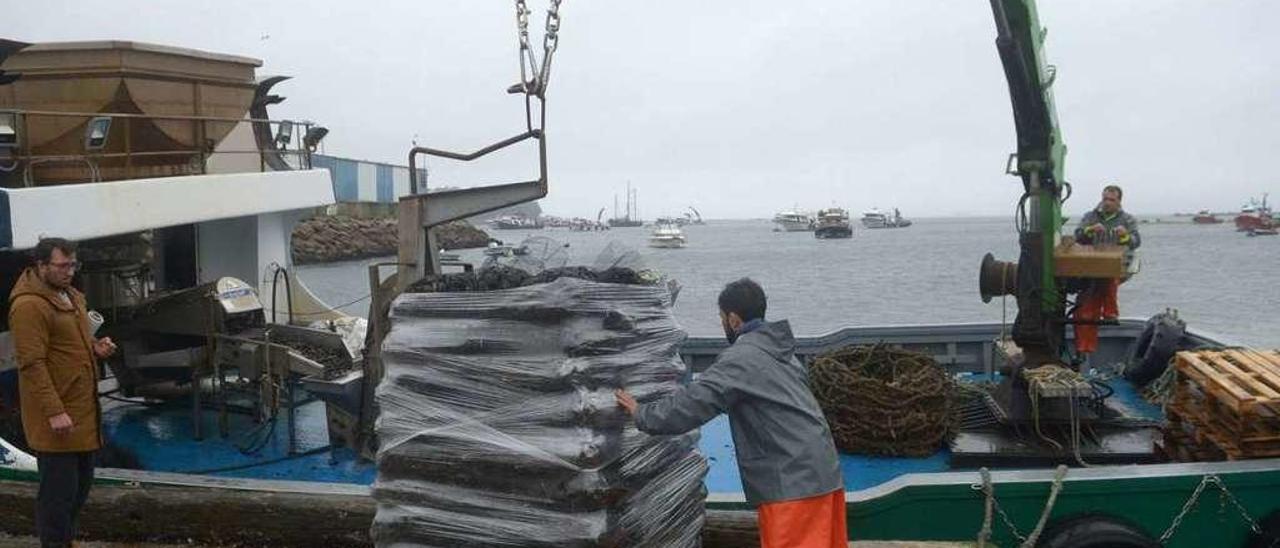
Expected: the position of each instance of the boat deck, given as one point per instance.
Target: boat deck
(161, 438)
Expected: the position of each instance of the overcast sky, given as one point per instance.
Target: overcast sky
(745, 107)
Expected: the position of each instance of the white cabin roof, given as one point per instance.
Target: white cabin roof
(96, 210)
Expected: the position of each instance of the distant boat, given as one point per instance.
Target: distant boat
(625, 223)
(1255, 216)
(496, 250)
(874, 218)
(794, 221)
(516, 222)
(833, 223)
(1204, 217)
(632, 217)
(667, 235)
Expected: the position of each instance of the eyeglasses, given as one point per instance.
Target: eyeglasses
(68, 265)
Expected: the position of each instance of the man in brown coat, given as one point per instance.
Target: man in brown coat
(57, 385)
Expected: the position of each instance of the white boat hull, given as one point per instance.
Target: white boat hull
(667, 243)
(796, 226)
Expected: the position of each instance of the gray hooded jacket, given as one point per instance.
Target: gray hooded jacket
(1109, 224)
(781, 437)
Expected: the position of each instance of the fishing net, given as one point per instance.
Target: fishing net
(883, 401)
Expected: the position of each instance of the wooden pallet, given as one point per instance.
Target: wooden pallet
(1178, 445)
(1227, 400)
(1242, 379)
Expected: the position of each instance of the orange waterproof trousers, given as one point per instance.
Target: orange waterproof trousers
(814, 522)
(1097, 302)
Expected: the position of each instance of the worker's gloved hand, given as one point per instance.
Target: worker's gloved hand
(1121, 232)
(1096, 228)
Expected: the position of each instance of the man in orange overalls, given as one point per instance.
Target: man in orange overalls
(786, 457)
(1106, 224)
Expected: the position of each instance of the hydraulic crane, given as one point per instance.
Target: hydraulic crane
(1040, 324)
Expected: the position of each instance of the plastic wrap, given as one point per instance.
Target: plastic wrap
(498, 425)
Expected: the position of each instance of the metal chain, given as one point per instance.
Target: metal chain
(988, 489)
(1195, 497)
(550, 41)
(1008, 522)
(528, 64)
(541, 73)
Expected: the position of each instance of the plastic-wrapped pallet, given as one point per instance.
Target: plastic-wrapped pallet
(498, 425)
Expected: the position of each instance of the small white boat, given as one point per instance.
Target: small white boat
(667, 236)
(794, 221)
(874, 218)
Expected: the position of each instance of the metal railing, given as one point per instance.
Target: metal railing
(288, 142)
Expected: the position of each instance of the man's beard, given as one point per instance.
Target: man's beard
(52, 281)
(729, 333)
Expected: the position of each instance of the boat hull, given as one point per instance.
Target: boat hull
(667, 243)
(833, 232)
(795, 226)
(1246, 223)
(230, 510)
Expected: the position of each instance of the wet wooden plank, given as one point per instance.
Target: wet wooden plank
(1213, 381)
(1267, 370)
(1240, 373)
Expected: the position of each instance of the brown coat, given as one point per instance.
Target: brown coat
(56, 365)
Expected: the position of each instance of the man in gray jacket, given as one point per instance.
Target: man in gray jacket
(786, 457)
(1109, 225)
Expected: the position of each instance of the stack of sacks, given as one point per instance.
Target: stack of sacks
(498, 425)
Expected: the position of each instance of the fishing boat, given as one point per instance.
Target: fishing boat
(285, 466)
(875, 218)
(833, 223)
(668, 236)
(1205, 217)
(1255, 215)
(794, 220)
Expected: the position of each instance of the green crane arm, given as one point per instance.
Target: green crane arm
(1039, 162)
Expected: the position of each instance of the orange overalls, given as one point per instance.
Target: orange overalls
(813, 522)
(1097, 302)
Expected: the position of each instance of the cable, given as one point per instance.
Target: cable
(145, 403)
(306, 453)
(332, 308)
(1020, 221)
(288, 291)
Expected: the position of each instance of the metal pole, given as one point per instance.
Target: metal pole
(288, 390)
